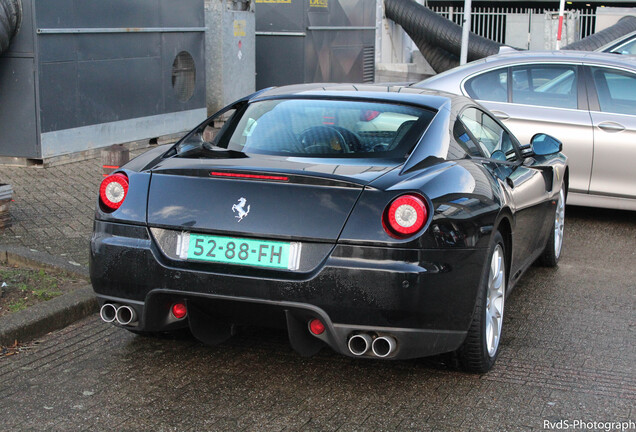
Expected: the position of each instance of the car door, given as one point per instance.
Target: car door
(542, 97)
(524, 185)
(613, 111)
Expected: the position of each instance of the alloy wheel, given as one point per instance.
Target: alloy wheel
(559, 223)
(495, 300)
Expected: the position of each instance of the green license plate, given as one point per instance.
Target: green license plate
(242, 251)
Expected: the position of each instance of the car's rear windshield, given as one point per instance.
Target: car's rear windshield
(325, 128)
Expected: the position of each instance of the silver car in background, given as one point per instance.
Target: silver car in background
(586, 100)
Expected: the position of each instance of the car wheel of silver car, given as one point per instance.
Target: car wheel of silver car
(481, 347)
(552, 252)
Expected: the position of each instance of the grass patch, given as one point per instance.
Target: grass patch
(21, 287)
(18, 305)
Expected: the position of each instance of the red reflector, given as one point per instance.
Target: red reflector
(316, 326)
(179, 310)
(406, 215)
(113, 191)
(369, 115)
(249, 176)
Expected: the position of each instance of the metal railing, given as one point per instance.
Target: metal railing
(491, 22)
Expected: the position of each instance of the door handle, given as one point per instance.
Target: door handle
(500, 115)
(611, 127)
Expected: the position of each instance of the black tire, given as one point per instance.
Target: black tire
(552, 252)
(474, 354)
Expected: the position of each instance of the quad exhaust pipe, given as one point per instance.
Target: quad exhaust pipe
(359, 344)
(381, 346)
(108, 312)
(123, 314)
(126, 315)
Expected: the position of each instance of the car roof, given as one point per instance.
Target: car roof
(563, 55)
(432, 99)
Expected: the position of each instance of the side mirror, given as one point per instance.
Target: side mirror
(542, 145)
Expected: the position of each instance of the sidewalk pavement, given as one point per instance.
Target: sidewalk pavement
(52, 209)
(52, 219)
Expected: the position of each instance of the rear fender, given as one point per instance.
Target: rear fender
(133, 209)
(464, 207)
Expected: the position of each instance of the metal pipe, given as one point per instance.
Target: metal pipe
(359, 344)
(340, 28)
(383, 346)
(108, 312)
(126, 315)
(281, 33)
(463, 54)
(98, 30)
(560, 28)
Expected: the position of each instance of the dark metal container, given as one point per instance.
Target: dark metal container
(314, 41)
(85, 74)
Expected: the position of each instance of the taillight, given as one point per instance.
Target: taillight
(113, 190)
(405, 215)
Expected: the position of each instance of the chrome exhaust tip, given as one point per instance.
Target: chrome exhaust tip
(108, 312)
(126, 315)
(383, 346)
(359, 344)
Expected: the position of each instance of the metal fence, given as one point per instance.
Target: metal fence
(491, 22)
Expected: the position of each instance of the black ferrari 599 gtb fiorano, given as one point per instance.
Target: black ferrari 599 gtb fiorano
(383, 222)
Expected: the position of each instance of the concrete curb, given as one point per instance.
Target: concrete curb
(47, 316)
(18, 255)
(50, 315)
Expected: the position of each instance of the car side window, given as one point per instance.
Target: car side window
(465, 141)
(489, 86)
(616, 90)
(628, 48)
(493, 140)
(545, 85)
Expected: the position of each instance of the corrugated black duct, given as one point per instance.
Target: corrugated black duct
(625, 25)
(10, 17)
(438, 39)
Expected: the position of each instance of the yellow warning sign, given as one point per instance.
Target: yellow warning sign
(239, 28)
(272, 1)
(319, 3)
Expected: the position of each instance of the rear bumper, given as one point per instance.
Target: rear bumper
(424, 299)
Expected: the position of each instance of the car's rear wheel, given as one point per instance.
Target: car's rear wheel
(481, 347)
(552, 252)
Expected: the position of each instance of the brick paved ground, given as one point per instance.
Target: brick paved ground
(568, 353)
(53, 207)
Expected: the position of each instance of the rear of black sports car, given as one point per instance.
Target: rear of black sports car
(319, 230)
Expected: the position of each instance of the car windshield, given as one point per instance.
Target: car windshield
(323, 128)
